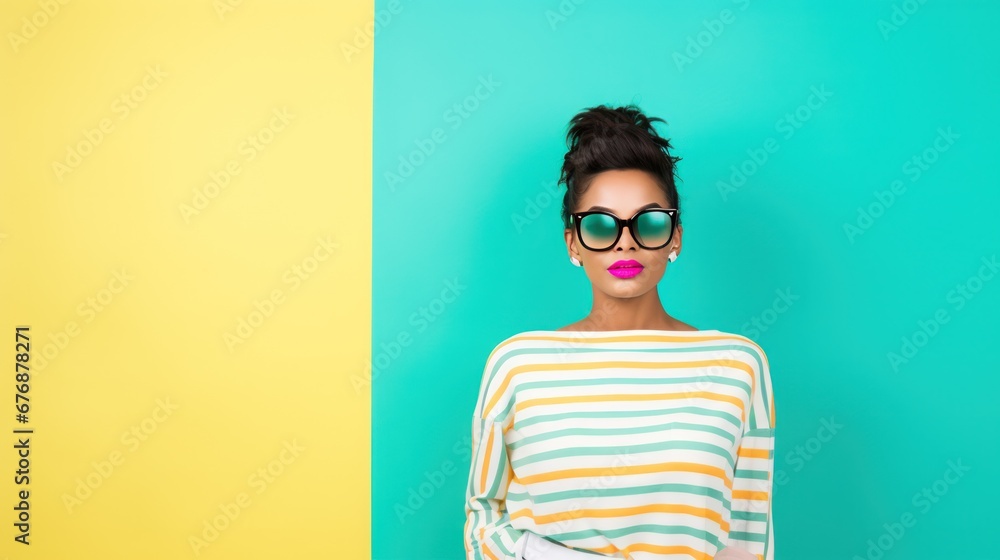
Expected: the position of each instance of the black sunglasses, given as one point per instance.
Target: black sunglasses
(652, 228)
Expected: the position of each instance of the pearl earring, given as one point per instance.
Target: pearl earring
(575, 261)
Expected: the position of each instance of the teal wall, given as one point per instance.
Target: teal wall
(873, 215)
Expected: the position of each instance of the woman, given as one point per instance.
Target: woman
(627, 434)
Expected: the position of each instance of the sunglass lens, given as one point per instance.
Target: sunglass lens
(653, 228)
(598, 231)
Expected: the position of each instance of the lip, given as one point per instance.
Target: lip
(626, 264)
(625, 269)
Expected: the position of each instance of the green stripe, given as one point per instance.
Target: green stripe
(632, 430)
(614, 450)
(646, 527)
(499, 542)
(748, 515)
(751, 474)
(745, 536)
(495, 487)
(520, 424)
(471, 491)
(577, 494)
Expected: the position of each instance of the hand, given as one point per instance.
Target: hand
(733, 553)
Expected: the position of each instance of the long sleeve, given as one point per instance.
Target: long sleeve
(752, 527)
(488, 533)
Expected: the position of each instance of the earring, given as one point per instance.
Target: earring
(575, 261)
(672, 256)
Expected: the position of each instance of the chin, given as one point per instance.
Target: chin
(626, 290)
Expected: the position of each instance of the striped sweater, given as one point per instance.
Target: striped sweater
(638, 444)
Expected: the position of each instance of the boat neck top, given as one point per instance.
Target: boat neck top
(625, 331)
(638, 443)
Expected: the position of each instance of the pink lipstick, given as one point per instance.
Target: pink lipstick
(625, 269)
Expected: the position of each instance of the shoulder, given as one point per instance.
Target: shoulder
(517, 342)
(744, 346)
(496, 386)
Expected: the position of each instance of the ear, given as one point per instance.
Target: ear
(676, 241)
(571, 243)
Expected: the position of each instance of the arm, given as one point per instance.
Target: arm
(488, 533)
(751, 527)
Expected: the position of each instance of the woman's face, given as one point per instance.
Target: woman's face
(623, 193)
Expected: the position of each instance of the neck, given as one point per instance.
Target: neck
(609, 313)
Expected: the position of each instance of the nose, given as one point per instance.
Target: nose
(627, 240)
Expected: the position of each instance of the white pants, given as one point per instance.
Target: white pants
(533, 547)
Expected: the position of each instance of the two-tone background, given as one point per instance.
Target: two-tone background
(264, 249)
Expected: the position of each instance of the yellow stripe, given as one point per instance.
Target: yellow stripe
(616, 471)
(749, 495)
(752, 453)
(643, 547)
(704, 513)
(486, 462)
(772, 407)
(674, 549)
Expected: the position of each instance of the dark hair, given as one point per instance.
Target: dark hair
(602, 138)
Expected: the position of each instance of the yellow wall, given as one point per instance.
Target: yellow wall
(170, 170)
